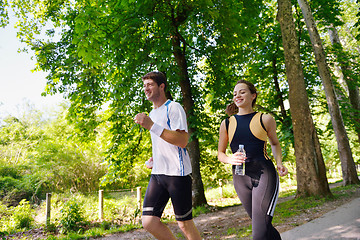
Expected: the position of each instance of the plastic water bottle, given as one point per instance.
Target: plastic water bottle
(240, 169)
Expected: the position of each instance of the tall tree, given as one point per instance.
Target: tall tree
(346, 158)
(310, 167)
(347, 75)
(265, 67)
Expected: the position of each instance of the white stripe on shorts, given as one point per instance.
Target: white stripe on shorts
(148, 209)
(185, 215)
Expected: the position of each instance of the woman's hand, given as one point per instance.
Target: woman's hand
(236, 159)
(282, 170)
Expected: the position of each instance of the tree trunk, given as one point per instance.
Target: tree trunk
(279, 96)
(285, 119)
(310, 167)
(188, 103)
(345, 155)
(352, 88)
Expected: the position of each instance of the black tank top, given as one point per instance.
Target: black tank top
(249, 131)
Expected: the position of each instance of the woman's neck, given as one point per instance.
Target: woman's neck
(244, 111)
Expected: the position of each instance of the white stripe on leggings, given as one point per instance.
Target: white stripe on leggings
(274, 200)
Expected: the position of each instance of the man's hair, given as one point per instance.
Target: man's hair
(157, 77)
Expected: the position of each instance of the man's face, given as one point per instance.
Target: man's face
(151, 90)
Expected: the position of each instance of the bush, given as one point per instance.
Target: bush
(23, 215)
(14, 185)
(121, 208)
(7, 184)
(71, 216)
(4, 217)
(17, 218)
(212, 170)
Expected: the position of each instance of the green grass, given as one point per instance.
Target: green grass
(240, 232)
(224, 196)
(298, 206)
(95, 232)
(295, 207)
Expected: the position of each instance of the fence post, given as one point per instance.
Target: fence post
(221, 188)
(101, 204)
(138, 191)
(48, 208)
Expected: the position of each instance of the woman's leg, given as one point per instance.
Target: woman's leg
(265, 193)
(243, 189)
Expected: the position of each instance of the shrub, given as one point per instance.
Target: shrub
(4, 219)
(71, 216)
(16, 218)
(23, 215)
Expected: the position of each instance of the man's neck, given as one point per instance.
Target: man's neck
(159, 102)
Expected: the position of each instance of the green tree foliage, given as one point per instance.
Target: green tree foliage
(44, 156)
(4, 17)
(341, 15)
(357, 24)
(327, 12)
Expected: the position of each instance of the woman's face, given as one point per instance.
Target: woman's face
(242, 95)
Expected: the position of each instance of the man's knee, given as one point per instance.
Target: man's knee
(189, 229)
(184, 225)
(149, 222)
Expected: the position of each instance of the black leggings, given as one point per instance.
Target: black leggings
(258, 191)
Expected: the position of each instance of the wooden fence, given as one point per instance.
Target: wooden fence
(100, 207)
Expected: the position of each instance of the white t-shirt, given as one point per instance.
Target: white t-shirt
(169, 159)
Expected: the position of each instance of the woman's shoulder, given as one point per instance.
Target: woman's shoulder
(267, 119)
(225, 121)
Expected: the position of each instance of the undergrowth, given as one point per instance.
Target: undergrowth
(73, 221)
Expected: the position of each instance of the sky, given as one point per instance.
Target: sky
(18, 84)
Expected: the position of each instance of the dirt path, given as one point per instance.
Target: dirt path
(214, 225)
(211, 225)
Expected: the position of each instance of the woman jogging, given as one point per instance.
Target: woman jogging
(259, 186)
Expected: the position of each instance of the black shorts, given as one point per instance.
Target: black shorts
(163, 187)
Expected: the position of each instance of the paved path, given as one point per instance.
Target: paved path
(343, 223)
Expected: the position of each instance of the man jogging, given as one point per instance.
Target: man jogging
(170, 176)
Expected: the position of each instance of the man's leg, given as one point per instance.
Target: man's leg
(181, 197)
(189, 229)
(155, 200)
(153, 225)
